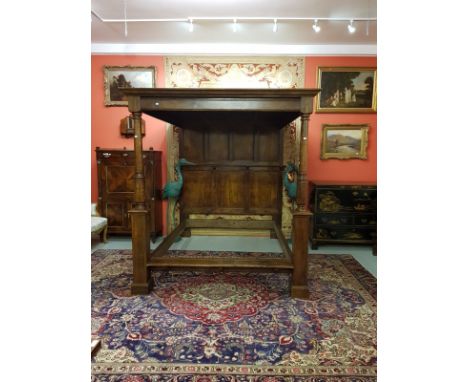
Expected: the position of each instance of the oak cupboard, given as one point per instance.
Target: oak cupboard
(116, 188)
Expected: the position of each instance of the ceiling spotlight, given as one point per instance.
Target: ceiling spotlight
(351, 27)
(190, 28)
(316, 27)
(234, 26)
(275, 25)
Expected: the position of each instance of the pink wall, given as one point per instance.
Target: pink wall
(353, 170)
(105, 122)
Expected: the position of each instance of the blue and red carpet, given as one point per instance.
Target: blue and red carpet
(234, 326)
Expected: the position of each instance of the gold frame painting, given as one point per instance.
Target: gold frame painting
(344, 141)
(346, 90)
(118, 77)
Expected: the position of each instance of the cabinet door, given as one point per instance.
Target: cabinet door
(116, 210)
(116, 188)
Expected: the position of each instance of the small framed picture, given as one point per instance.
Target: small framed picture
(117, 77)
(344, 141)
(346, 90)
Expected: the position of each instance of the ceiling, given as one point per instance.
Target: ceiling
(142, 26)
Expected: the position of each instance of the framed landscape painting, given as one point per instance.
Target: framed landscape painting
(347, 90)
(117, 77)
(344, 141)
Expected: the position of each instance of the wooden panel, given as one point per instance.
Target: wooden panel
(264, 191)
(218, 145)
(231, 192)
(198, 191)
(268, 145)
(242, 145)
(192, 145)
(116, 211)
(120, 179)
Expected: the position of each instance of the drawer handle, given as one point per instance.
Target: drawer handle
(106, 155)
(125, 154)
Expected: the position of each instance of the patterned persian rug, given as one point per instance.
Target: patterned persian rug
(234, 326)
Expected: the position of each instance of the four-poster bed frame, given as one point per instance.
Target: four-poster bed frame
(238, 132)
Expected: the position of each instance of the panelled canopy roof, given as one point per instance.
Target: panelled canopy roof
(231, 107)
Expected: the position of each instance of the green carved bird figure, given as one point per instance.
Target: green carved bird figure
(172, 190)
(290, 184)
(290, 180)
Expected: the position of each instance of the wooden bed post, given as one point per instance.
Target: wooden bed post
(139, 213)
(301, 217)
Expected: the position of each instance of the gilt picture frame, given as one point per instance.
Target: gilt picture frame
(344, 141)
(117, 77)
(346, 90)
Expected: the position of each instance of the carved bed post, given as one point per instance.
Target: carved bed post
(139, 213)
(301, 217)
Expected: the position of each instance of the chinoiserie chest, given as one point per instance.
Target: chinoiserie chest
(343, 213)
(116, 188)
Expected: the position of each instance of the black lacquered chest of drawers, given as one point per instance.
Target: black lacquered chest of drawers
(343, 213)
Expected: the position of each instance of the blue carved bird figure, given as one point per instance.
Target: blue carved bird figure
(290, 181)
(172, 190)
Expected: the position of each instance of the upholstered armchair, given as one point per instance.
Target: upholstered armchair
(98, 223)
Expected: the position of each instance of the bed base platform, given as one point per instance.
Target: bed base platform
(157, 259)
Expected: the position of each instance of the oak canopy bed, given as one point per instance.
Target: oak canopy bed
(233, 137)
